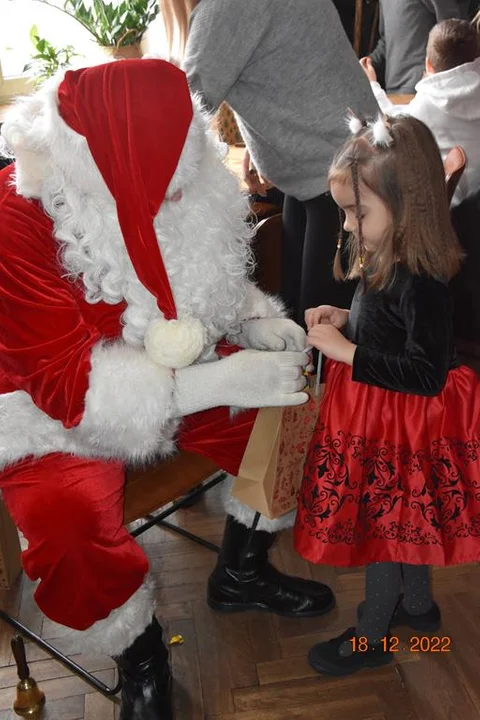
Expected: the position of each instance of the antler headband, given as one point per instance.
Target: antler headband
(380, 128)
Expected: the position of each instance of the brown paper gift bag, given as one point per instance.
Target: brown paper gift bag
(271, 470)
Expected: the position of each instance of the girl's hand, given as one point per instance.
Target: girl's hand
(327, 315)
(332, 343)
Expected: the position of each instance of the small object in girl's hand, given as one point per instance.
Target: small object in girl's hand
(176, 640)
(319, 374)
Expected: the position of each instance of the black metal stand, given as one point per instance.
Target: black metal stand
(150, 522)
(178, 505)
(70, 664)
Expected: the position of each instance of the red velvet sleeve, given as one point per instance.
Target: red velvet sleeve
(45, 343)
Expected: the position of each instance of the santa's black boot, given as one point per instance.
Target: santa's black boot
(146, 678)
(243, 579)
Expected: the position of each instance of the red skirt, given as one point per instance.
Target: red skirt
(392, 477)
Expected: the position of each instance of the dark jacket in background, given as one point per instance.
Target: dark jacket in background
(399, 57)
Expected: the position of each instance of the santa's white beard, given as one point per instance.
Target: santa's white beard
(203, 238)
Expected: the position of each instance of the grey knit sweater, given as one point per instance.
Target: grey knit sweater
(289, 72)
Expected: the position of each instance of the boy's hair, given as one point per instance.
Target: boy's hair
(452, 43)
(408, 176)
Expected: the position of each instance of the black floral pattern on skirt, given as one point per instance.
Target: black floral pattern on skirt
(373, 478)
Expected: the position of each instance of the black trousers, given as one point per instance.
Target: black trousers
(310, 231)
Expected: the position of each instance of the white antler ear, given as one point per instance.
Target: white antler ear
(381, 133)
(354, 123)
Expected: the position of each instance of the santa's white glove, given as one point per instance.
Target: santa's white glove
(247, 379)
(272, 334)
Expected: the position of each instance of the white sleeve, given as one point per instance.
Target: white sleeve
(386, 105)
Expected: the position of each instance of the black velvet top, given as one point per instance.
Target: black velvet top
(404, 334)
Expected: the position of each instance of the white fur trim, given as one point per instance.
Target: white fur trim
(117, 632)
(128, 405)
(246, 515)
(381, 133)
(128, 413)
(26, 430)
(175, 343)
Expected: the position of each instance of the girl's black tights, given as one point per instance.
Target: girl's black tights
(384, 582)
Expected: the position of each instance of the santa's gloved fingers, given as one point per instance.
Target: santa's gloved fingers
(274, 334)
(293, 373)
(289, 357)
(299, 398)
(294, 386)
(274, 343)
(295, 338)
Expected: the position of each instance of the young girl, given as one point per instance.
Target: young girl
(392, 479)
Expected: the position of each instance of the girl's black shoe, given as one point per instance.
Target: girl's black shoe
(345, 654)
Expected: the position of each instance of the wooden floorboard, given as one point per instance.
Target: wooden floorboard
(252, 666)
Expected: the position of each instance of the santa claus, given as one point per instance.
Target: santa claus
(124, 262)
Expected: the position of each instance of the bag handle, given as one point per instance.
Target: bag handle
(319, 374)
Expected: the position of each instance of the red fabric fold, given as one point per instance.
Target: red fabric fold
(135, 116)
(214, 434)
(47, 329)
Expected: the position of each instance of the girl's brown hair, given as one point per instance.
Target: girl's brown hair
(408, 176)
(176, 18)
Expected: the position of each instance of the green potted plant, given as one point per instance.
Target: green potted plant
(116, 26)
(47, 58)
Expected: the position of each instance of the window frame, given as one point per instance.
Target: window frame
(11, 87)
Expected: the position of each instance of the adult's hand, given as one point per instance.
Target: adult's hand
(257, 185)
(272, 334)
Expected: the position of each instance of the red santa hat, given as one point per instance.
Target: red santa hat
(135, 116)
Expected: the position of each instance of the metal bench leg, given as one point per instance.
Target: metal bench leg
(68, 662)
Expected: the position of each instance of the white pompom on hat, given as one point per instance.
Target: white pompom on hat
(175, 343)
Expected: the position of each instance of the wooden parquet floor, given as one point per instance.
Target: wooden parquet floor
(253, 666)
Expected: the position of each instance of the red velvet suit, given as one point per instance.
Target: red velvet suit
(70, 508)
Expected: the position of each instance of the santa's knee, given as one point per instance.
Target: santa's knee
(87, 565)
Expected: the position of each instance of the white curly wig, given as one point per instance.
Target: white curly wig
(201, 229)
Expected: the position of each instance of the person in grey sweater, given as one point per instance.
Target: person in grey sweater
(399, 56)
(288, 71)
